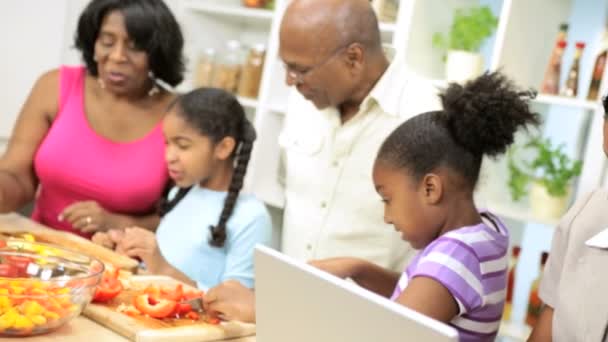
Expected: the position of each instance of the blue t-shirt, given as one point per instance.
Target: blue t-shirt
(183, 237)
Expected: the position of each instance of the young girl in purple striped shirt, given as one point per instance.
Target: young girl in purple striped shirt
(425, 173)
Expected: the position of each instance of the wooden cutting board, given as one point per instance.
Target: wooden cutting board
(146, 329)
(14, 224)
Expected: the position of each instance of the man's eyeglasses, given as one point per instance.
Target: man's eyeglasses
(298, 74)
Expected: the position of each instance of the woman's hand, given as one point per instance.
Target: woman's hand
(141, 243)
(232, 301)
(88, 217)
(340, 267)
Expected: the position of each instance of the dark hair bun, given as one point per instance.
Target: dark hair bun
(484, 114)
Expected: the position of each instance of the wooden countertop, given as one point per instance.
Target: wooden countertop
(80, 328)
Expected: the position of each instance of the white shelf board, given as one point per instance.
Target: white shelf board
(248, 102)
(514, 331)
(234, 11)
(516, 212)
(566, 102)
(388, 27)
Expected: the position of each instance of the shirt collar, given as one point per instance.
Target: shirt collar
(388, 90)
(386, 93)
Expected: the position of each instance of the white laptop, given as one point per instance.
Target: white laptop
(296, 302)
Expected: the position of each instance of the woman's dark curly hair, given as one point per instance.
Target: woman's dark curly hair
(217, 114)
(479, 118)
(150, 25)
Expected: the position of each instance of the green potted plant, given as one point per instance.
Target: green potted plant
(470, 28)
(548, 178)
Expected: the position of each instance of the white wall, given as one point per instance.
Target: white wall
(37, 36)
(32, 32)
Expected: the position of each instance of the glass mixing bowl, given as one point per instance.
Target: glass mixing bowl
(43, 286)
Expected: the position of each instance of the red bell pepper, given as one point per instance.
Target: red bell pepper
(109, 288)
(154, 307)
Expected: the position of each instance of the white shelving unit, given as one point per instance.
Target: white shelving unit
(229, 10)
(520, 48)
(552, 100)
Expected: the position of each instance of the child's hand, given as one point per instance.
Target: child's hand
(103, 239)
(141, 243)
(340, 267)
(232, 301)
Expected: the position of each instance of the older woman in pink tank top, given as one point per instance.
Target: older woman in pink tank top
(87, 146)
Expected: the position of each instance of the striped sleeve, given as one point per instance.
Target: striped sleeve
(455, 265)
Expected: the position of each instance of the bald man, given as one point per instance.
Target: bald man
(349, 98)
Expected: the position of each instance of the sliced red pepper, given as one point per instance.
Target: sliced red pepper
(8, 271)
(153, 291)
(154, 307)
(19, 262)
(174, 294)
(109, 288)
(2, 243)
(107, 291)
(181, 309)
(192, 315)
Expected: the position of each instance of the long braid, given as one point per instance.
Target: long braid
(166, 205)
(217, 114)
(218, 232)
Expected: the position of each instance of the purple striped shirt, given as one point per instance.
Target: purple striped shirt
(471, 262)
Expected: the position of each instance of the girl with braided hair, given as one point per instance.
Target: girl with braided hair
(208, 228)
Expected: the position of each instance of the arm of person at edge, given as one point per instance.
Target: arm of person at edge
(364, 273)
(18, 181)
(543, 329)
(90, 217)
(231, 300)
(141, 243)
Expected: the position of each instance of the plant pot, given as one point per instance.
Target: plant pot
(546, 206)
(462, 66)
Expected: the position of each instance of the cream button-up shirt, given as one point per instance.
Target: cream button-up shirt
(575, 280)
(332, 208)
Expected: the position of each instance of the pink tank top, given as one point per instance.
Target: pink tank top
(75, 164)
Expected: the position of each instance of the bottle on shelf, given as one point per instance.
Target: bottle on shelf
(506, 316)
(571, 86)
(551, 81)
(254, 3)
(249, 84)
(228, 69)
(205, 68)
(550, 84)
(598, 69)
(534, 302)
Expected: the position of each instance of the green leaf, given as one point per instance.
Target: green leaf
(470, 28)
(551, 167)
